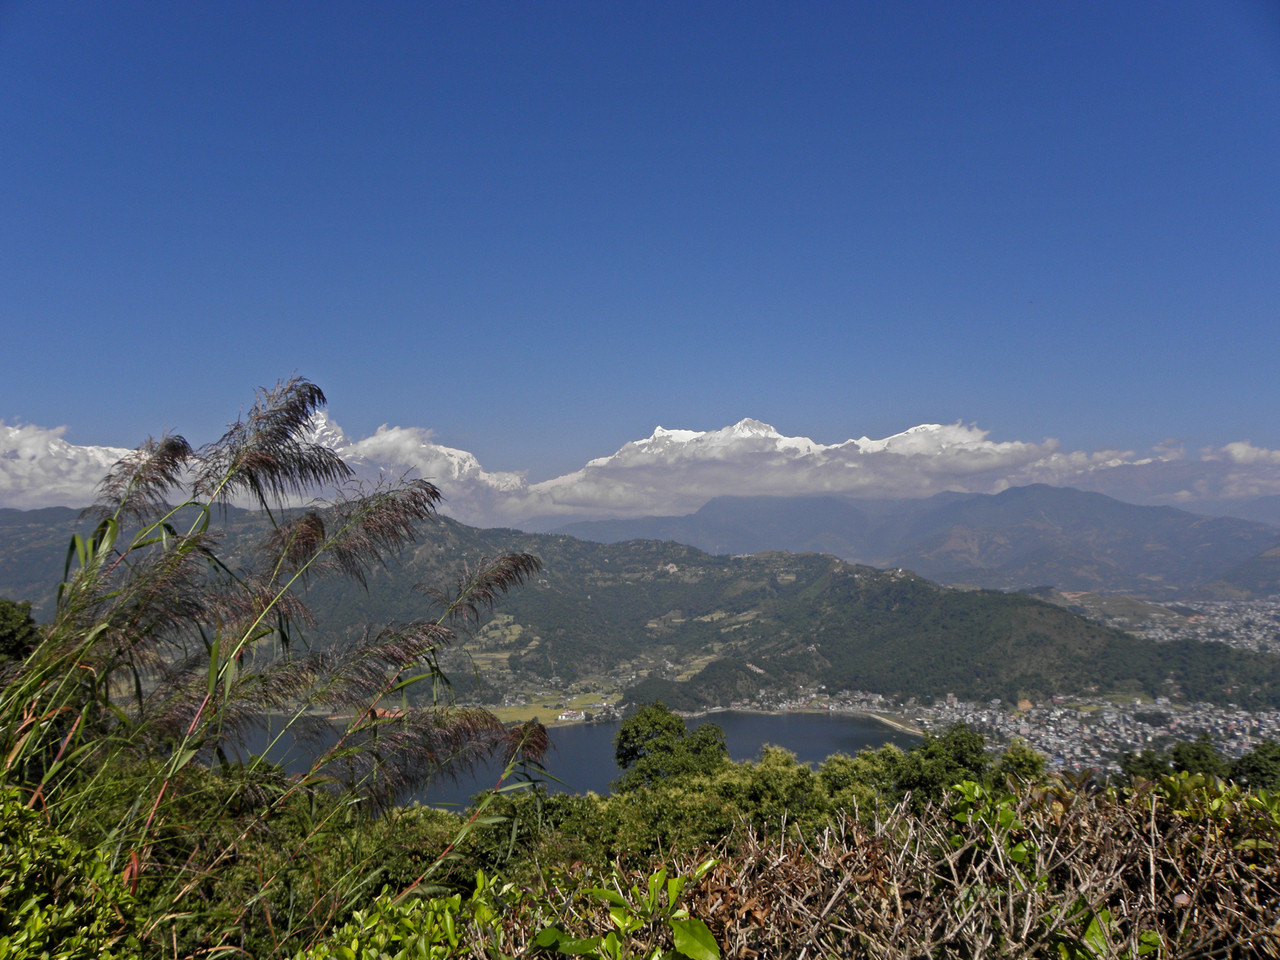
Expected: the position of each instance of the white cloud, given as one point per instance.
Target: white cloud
(1245, 452)
(676, 471)
(473, 493)
(40, 469)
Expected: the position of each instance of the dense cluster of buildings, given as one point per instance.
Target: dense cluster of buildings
(1080, 733)
(1092, 733)
(1243, 624)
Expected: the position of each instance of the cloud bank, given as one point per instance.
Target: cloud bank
(676, 471)
(40, 469)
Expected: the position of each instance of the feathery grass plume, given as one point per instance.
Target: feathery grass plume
(163, 657)
(389, 754)
(527, 741)
(266, 456)
(137, 486)
(369, 527)
(295, 540)
(480, 587)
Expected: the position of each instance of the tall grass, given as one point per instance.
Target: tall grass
(126, 725)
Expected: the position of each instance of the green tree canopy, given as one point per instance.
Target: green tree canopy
(1200, 756)
(18, 631)
(1020, 761)
(654, 745)
(1146, 765)
(1259, 769)
(933, 766)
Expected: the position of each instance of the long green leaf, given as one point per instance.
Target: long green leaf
(609, 896)
(693, 938)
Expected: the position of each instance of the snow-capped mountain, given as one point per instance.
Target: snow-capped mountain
(743, 435)
(38, 468)
(754, 438)
(675, 471)
(753, 435)
(325, 433)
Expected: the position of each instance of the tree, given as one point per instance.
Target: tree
(1146, 765)
(861, 781)
(931, 767)
(1188, 756)
(1020, 761)
(18, 631)
(654, 745)
(1259, 769)
(1199, 756)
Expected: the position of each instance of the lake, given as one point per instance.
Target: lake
(581, 757)
(582, 754)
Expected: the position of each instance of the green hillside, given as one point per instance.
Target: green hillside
(659, 618)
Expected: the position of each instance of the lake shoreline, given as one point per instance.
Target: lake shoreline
(892, 722)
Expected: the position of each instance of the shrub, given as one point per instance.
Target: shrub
(57, 899)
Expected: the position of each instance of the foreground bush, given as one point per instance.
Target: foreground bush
(57, 900)
(1186, 868)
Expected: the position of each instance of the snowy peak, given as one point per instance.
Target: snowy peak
(926, 435)
(325, 432)
(746, 436)
(661, 434)
(751, 428)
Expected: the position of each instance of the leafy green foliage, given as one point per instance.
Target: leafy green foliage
(424, 928)
(18, 633)
(863, 781)
(1199, 756)
(1259, 769)
(421, 929)
(654, 744)
(1144, 765)
(640, 916)
(57, 899)
(930, 768)
(1020, 763)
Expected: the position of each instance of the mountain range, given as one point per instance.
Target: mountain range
(658, 618)
(1024, 537)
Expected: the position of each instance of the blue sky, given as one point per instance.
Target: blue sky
(540, 229)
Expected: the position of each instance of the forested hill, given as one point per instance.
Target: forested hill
(701, 629)
(1025, 537)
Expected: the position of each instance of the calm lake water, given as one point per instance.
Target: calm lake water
(582, 755)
